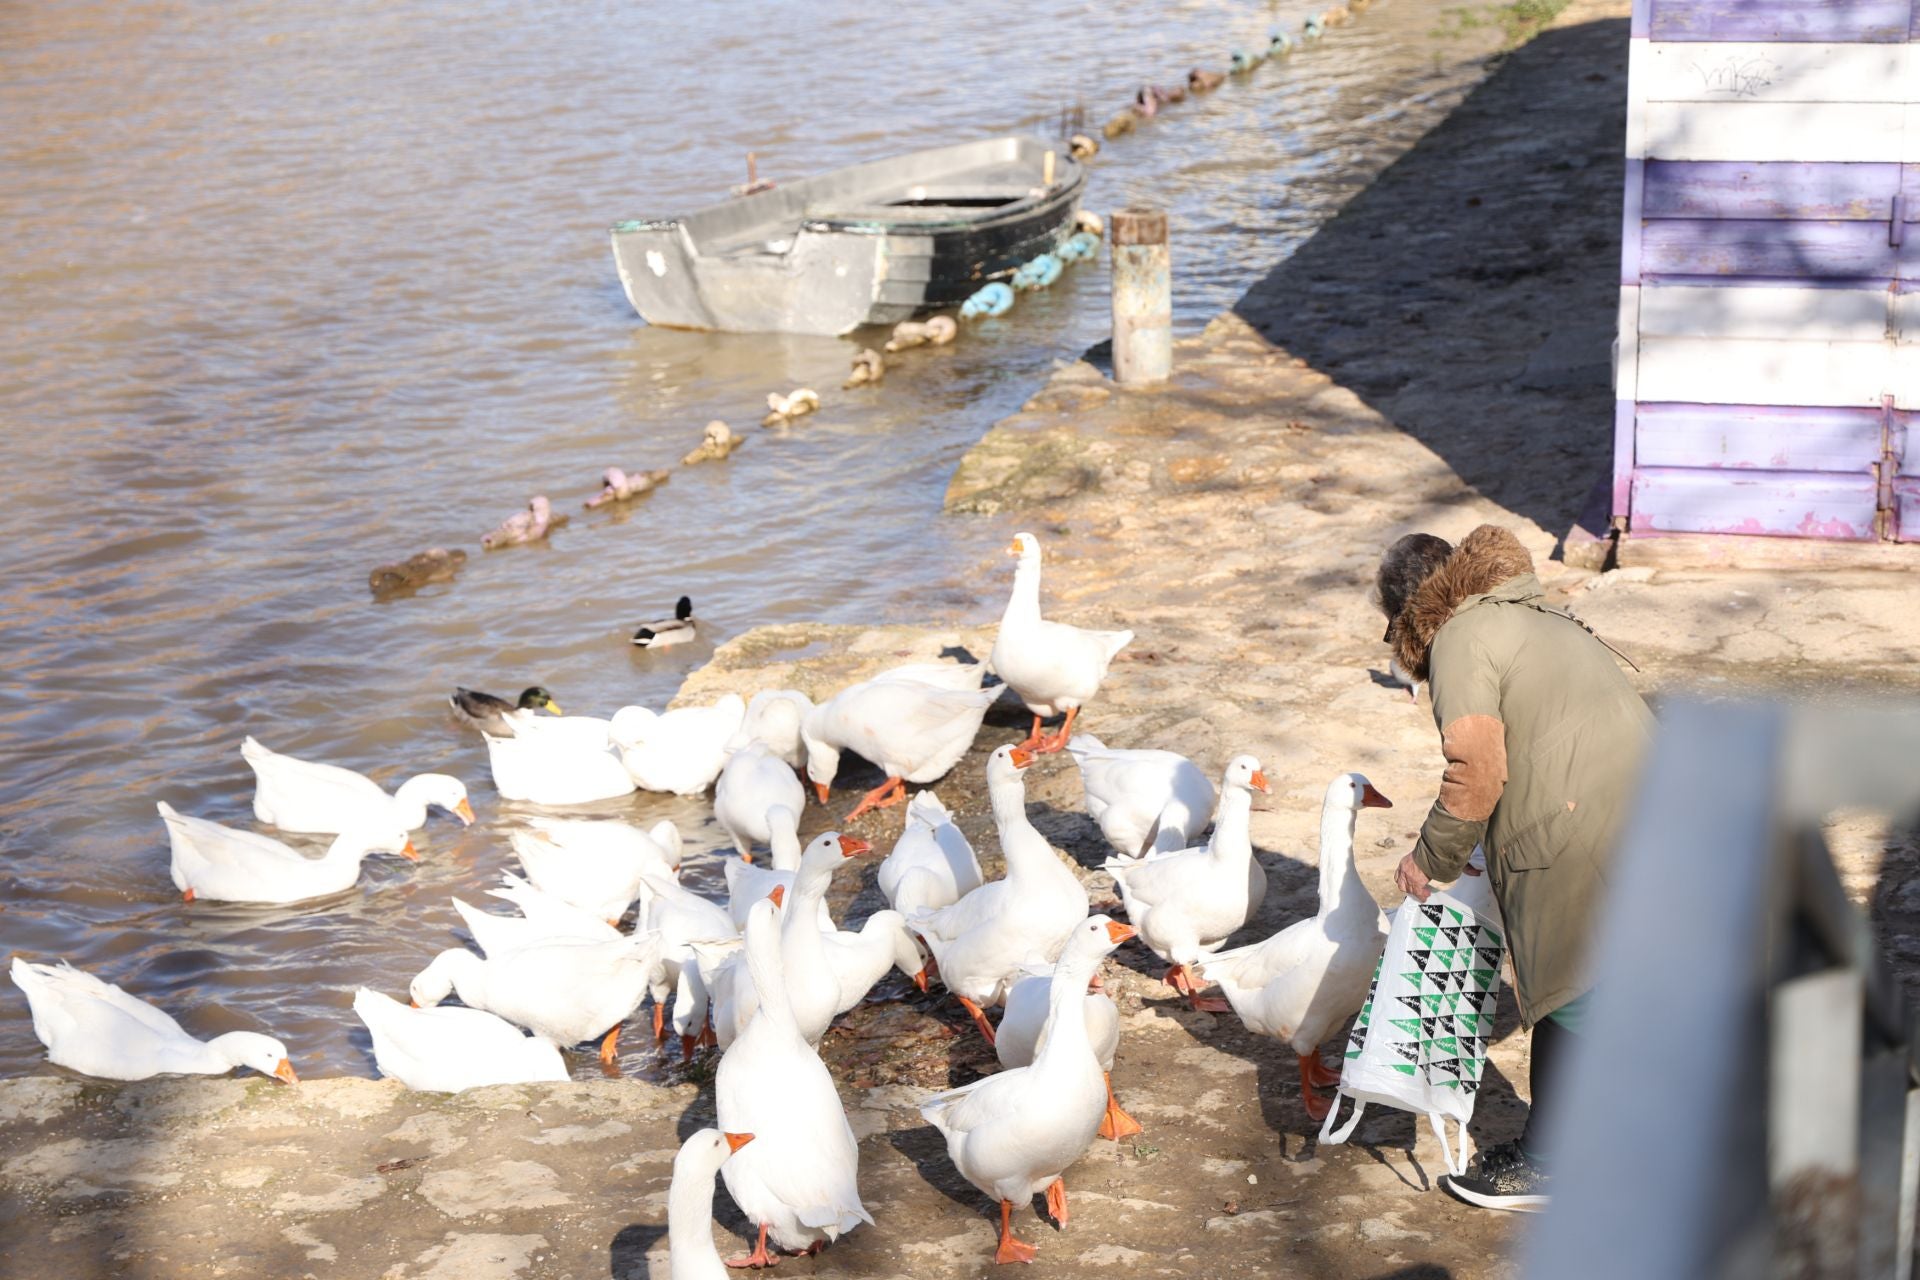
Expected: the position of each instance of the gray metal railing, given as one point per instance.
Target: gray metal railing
(1747, 1100)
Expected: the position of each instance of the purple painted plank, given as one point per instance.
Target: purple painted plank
(1839, 21)
(1779, 189)
(1632, 210)
(1622, 457)
(1774, 438)
(1906, 510)
(1831, 249)
(1787, 504)
(1641, 22)
(1910, 175)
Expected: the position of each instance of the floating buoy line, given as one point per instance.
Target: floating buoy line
(993, 299)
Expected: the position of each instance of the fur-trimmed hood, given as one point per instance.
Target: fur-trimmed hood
(1485, 558)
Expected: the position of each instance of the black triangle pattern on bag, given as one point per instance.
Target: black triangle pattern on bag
(1411, 1052)
(1433, 911)
(1412, 1002)
(1419, 959)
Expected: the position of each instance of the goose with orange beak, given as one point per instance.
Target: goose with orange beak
(1186, 903)
(914, 722)
(984, 942)
(1299, 985)
(325, 799)
(1015, 1134)
(1053, 667)
(691, 1254)
(225, 864)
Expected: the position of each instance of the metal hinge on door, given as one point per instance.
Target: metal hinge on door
(1887, 464)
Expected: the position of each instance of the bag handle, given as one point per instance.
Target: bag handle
(1456, 1167)
(1334, 1137)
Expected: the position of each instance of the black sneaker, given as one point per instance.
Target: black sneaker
(1501, 1178)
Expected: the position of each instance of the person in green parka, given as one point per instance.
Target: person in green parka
(1543, 737)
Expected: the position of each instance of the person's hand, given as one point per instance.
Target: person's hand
(1412, 879)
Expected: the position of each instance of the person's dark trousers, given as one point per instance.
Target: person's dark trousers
(1551, 1044)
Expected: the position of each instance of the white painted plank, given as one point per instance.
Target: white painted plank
(1832, 131)
(1841, 315)
(1910, 148)
(1688, 71)
(1626, 345)
(1754, 371)
(1906, 316)
(1904, 381)
(1637, 74)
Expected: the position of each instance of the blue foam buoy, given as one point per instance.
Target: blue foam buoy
(1037, 274)
(1080, 246)
(995, 299)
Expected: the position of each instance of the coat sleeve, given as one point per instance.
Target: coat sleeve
(1465, 686)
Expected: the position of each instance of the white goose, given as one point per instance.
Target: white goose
(914, 722)
(544, 763)
(564, 990)
(932, 864)
(773, 718)
(596, 866)
(680, 918)
(223, 864)
(691, 1254)
(798, 1181)
(813, 985)
(681, 751)
(447, 1049)
(1053, 667)
(984, 941)
(748, 882)
(551, 915)
(860, 959)
(1023, 1025)
(1013, 1135)
(754, 781)
(1142, 799)
(97, 1029)
(325, 799)
(1301, 983)
(498, 935)
(1186, 903)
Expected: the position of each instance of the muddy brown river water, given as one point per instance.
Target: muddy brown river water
(292, 289)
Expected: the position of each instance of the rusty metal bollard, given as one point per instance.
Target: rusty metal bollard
(1142, 297)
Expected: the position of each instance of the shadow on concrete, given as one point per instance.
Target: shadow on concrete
(1469, 293)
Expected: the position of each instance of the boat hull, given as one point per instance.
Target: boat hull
(830, 254)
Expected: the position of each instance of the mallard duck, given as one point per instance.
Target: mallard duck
(1200, 80)
(913, 722)
(1082, 147)
(448, 1049)
(691, 1254)
(1140, 797)
(667, 632)
(226, 865)
(531, 525)
(97, 1029)
(799, 1180)
(1300, 984)
(566, 990)
(717, 441)
(1051, 666)
(784, 409)
(984, 941)
(1014, 1134)
(623, 486)
(1188, 902)
(932, 864)
(325, 799)
(868, 366)
(436, 564)
(496, 717)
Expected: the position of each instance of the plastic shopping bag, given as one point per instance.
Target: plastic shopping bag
(1420, 1042)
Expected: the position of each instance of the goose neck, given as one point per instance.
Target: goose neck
(691, 1250)
(1023, 604)
(1232, 825)
(1067, 1038)
(1340, 883)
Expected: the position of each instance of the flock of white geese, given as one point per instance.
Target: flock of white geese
(764, 974)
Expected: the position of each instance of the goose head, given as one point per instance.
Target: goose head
(827, 852)
(701, 1156)
(1093, 940)
(1005, 765)
(260, 1053)
(363, 842)
(541, 508)
(438, 980)
(1244, 772)
(1026, 548)
(823, 758)
(1353, 791)
(440, 791)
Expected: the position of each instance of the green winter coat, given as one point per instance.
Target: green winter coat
(1543, 737)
